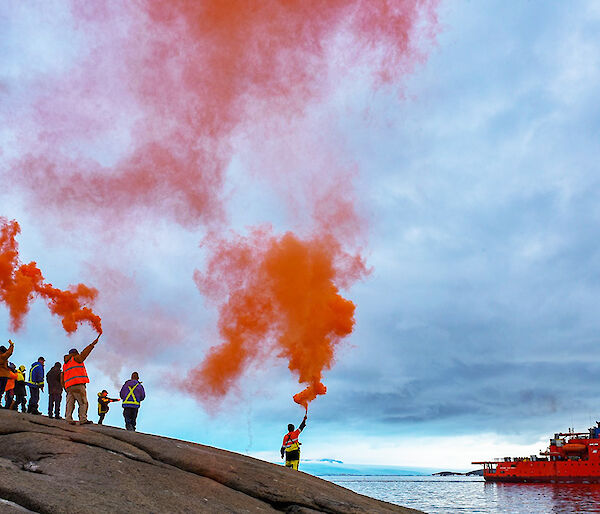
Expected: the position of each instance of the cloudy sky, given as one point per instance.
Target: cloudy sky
(473, 170)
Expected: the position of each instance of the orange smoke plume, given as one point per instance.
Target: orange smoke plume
(144, 117)
(281, 298)
(175, 81)
(21, 283)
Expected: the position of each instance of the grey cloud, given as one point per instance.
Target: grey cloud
(503, 396)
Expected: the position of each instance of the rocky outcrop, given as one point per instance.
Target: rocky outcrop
(48, 466)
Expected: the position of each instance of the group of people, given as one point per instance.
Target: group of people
(70, 377)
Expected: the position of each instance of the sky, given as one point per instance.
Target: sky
(468, 158)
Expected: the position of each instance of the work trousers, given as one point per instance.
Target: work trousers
(101, 418)
(77, 393)
(2, 385)
(292, 459)
(54, 400)
(9, 395)
(34, 399)
(20, 400)
(130, 415)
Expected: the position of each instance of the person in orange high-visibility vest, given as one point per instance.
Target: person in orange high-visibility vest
(291, 446)
(5, 371)
(9, 390)
(74, 379)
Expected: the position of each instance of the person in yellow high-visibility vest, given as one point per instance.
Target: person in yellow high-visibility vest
(35, 383)
(291, 446)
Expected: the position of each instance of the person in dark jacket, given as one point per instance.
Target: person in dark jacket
(35, 383)
(20, 390)
(55, 388)
(103, 401)
(132, 394)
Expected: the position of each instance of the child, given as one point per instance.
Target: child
(103, 401)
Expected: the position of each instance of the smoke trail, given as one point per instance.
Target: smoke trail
(145, 117)
(278, 295)
(21, 283)
(142, 116)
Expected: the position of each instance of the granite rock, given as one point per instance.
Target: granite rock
(48, 466)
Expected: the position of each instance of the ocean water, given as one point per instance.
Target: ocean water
(474, 495)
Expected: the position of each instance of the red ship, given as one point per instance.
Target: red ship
(571, 457)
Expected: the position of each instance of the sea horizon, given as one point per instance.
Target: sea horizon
(327, 467)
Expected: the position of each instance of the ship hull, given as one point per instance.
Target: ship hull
(545, 480)
(546, 471)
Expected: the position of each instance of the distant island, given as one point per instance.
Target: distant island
(475, 473)
(332, 467)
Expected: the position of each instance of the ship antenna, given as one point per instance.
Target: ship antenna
(572, 424)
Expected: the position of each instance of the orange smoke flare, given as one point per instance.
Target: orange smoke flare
(21, 283)
(280, 297)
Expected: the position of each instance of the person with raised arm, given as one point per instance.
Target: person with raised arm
(5, 372)
(291, 446)
(74, 379)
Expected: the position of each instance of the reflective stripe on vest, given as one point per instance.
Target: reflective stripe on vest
(131, 395)
(30, 381)
(294, 446)
(290, 441)
(74, 373)
(102, 407)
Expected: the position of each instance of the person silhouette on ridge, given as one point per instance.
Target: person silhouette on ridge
(132, 394)
(291, 445)
(74, 379)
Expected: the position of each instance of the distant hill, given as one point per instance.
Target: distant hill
(324, 467)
